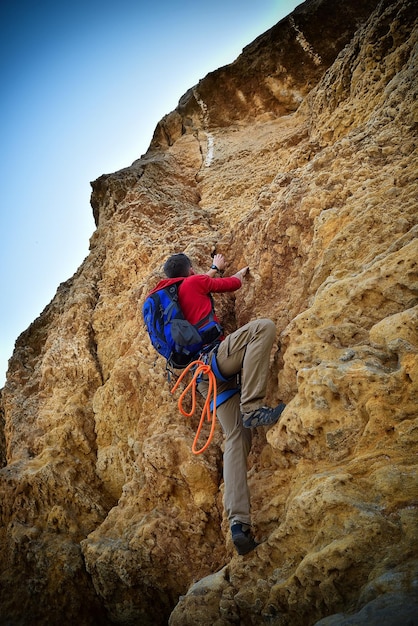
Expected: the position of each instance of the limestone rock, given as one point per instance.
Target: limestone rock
(298, 159)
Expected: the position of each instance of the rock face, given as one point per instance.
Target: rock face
(299, 159)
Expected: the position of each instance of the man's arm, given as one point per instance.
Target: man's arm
(219, 266)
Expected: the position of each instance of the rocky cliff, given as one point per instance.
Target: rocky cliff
(299, 159)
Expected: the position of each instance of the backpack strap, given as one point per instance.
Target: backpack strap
(209, 317)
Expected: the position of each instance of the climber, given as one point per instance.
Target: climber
(244, 353)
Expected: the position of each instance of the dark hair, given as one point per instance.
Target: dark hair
(177, 265)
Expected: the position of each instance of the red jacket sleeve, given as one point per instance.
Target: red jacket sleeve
(217, 285)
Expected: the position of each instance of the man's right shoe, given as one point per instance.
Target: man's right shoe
(264, 416)
(243, 540)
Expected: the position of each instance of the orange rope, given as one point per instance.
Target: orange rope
(202, 368)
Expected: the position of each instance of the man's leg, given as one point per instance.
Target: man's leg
(247, 351)
(237, 447)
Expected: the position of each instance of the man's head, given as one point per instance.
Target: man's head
(178, 265)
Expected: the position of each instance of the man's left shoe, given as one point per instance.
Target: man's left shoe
(243, 539)
(264, 416)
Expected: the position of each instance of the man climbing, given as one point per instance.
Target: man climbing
(244, 352)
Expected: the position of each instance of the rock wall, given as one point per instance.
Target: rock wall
(300, 160)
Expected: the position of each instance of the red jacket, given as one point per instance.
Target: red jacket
(194, 293)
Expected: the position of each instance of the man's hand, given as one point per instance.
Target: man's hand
(241, 273)
(219, 261)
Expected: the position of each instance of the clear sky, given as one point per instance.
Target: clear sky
(83, 85)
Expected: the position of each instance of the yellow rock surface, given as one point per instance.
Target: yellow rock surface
(300, 160)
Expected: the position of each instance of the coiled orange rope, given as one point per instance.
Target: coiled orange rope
(201, 368)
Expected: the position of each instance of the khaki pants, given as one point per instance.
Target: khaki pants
(247, 352)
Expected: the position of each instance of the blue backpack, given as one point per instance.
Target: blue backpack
(178, 341)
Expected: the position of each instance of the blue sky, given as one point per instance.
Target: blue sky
(84, 84)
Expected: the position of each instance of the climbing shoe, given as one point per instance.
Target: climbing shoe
(264, 416)
(243, 539)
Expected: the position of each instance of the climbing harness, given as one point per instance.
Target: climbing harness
(202, 367)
